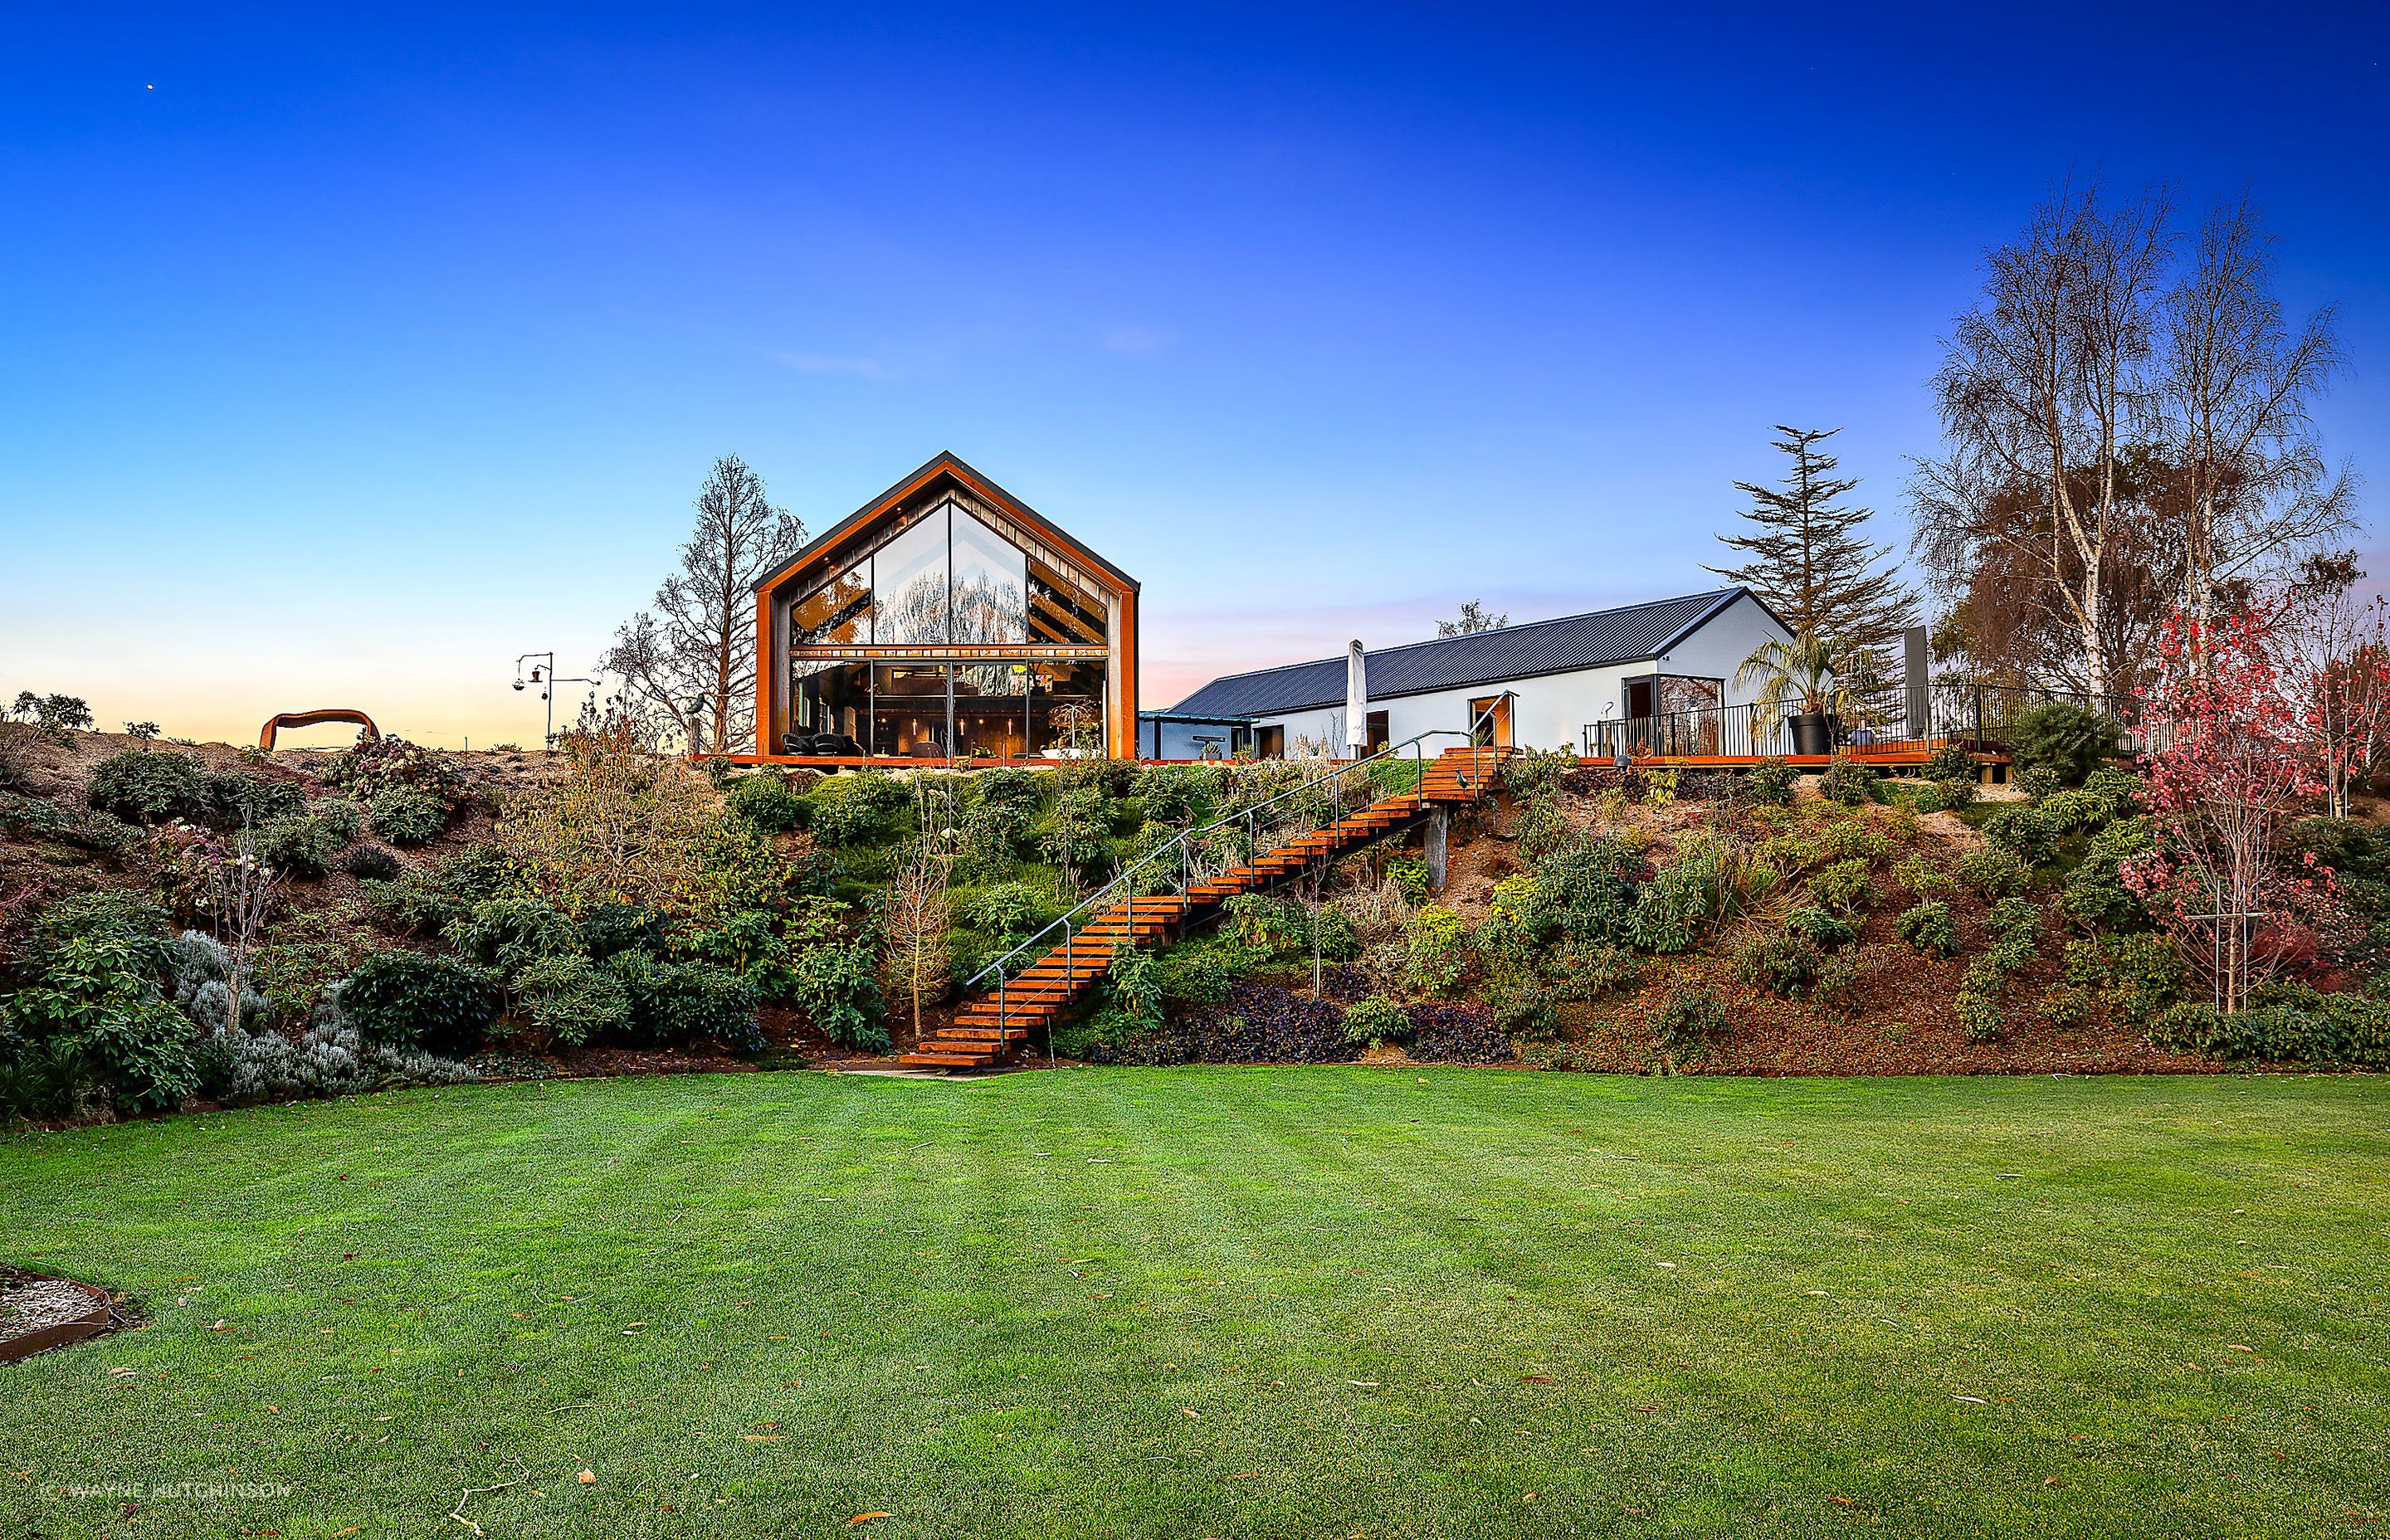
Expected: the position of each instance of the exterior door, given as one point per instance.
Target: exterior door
(1494, 733)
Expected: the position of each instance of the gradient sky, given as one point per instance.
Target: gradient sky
(342, 359)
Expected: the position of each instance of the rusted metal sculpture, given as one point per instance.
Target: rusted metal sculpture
(311, 719)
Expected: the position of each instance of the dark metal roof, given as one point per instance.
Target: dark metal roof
(1623, 636)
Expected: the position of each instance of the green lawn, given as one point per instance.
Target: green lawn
(1230, 1302)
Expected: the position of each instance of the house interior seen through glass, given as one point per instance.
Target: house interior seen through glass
(946, 581)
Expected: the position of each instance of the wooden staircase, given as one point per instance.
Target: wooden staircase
(992, 1025)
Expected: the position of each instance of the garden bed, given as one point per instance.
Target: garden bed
(39, 1314)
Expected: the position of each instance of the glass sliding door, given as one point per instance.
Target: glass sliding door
(909, 710)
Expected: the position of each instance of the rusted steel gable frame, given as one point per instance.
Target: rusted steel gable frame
(1077, 560)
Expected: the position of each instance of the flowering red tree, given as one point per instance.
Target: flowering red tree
(2238, 769)
(2334, 654)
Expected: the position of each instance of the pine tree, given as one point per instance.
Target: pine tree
(1810, 562)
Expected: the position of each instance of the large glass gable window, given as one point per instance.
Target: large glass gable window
(948, 579)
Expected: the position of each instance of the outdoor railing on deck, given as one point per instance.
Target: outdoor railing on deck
(1186, 849)
(1979, 718)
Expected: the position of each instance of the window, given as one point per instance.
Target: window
(909, 585)
(991, 582)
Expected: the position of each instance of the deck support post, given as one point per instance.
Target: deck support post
(1438, 821)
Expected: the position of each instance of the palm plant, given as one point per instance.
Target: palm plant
(1802, 669)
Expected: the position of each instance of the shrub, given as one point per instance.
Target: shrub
(1783, 965)
(407, 816)
(378, 763)
(148, 785)
(1586, 970)
(681, 1002)
(1201, 972)
(331, 1058)
(1074, 828)
(407, 1000)
(604, 929)
(1926, 928)
(1377, 1020)
(2015, 924)
(1993, 872)
(372, 864)
(623, 825)
(568, 1000)
(1439, 950)
(1587, 888)
(2020, 829)
(53, 716)
(1978, 1003)
(1956, 795)
(2064, 739)
(2137, 974)
(1542, 825)
(2119, 792)
(1692, 1017)
(1926, 875)
(1674, 908)
(1772, 780)
(306, 846)
(1950, 762)
(2035, 781)
(1842, 886)
(2067, 1007)
(835, 981)
(2286, 1023)
(1849, 781)
(1133, 987)
(1002, 908)
(2095, 891)
(509, 934)
(765, 800)
(89, 996)
(423, 902)
(1410, 874)
(1523, 1005)
(1823, 928)
(1848, 836)
(237, 797)
(858, 808)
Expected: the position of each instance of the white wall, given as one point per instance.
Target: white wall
(1551, 711)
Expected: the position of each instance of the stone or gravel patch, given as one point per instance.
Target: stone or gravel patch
(28, 1306)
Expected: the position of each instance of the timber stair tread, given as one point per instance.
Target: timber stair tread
(990, 1026)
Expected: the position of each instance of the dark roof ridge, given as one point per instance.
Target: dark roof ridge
(1524, 625)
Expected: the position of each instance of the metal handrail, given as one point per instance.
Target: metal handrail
(1182, 840)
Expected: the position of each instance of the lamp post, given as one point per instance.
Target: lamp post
(544, 674)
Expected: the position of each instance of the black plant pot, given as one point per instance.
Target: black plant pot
(1813, 733)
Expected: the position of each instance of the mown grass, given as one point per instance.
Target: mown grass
(1249, 1302)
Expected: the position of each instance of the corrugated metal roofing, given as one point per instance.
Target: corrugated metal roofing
(1606, 636)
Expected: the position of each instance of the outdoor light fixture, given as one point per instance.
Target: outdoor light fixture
(544, 676)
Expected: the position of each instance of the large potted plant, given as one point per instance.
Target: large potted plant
(1802, 670)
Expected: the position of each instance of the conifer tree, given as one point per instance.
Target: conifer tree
(1810, 562)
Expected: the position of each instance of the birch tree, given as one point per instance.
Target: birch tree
(2044, 386)
(2237, 396)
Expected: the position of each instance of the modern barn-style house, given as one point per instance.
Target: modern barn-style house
(948, 621)
(945, 618)
(1575, 682)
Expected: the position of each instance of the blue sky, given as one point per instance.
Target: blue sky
(343, 358)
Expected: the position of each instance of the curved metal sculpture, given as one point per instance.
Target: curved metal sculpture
(311, 719)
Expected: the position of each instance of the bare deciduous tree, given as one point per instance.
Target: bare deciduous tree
(693, 658)
(240, 891)
(2044, 386)
(1472, 620)
(2236, 396)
